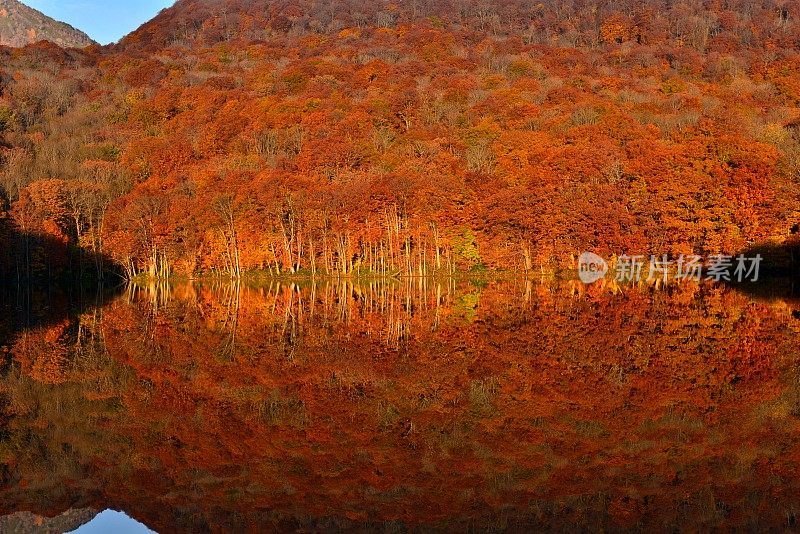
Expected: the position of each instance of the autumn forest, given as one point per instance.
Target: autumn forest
(401, 138)
(313, 266)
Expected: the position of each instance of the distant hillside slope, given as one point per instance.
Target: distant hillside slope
(21, 25)
(723, 26)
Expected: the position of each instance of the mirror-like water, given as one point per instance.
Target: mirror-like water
(450, 406)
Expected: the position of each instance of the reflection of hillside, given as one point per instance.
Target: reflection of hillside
(22, 522)
(50, 323)
(783, 290)
(494, 406)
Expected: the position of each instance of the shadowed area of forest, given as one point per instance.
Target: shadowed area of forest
(778, 259)
(46, 260)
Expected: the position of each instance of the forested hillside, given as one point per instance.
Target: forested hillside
(411, 137)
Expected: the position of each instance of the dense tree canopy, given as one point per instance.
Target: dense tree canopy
(413, 137)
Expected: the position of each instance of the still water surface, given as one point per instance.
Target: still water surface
(450, 406)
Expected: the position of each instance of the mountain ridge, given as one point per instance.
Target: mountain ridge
(21, 25)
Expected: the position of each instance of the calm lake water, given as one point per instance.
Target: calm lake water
(452, 406)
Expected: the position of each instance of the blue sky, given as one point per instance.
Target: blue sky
(106, 21)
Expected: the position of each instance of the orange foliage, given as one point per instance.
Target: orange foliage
(415, 403)
(418, 138)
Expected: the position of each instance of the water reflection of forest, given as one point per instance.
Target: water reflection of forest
(452, 405)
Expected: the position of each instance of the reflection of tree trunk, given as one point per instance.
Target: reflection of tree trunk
(228, 348)
(389, 309)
